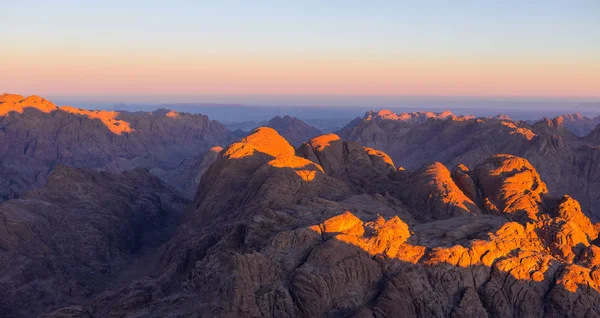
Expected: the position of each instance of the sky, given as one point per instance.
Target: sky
(523, 49)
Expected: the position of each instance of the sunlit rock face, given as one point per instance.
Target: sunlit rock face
(511, 185)
(567, 162)
(36, 136)
(17, 103)
(434, 186)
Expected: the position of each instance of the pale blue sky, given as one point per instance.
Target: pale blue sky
(317, 27)
(560, 32)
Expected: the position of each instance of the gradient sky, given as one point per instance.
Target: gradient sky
(430, 48)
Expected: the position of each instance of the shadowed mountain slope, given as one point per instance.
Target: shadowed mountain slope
(78, 235)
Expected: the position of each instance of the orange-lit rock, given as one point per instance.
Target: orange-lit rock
(380, 154)
(527, 133)
(294, 162)
(434, 194)
(345, 223)
(570, 210)
(172, 114)
(319, 143)
(512, 185)
(108, 118)
(265, 140)
(461, 177)
(17, 103)
(347, 161)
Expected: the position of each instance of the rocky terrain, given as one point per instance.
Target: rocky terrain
(80, 233)
(330, 228)
(567, 163)
(335, 229)
(36, 136)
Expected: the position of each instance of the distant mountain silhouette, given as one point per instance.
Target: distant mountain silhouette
(293, 129)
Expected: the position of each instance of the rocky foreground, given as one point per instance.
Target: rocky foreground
(330, 229)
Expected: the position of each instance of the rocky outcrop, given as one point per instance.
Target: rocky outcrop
(65, 242)
(436, 195)
(511, 185)
(36, 136)
(348, 161)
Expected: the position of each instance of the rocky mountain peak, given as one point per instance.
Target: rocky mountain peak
(108, 118)
(17, 103)
(263, 139)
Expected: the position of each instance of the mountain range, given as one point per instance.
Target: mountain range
(167, 214)
(568, 163)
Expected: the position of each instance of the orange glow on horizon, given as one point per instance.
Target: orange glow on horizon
(149, 73)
